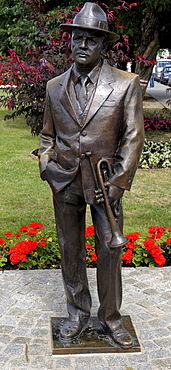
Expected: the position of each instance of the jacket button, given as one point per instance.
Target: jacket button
(82, 156)
(84, 133)
(88, 154)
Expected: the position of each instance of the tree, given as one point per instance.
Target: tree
(46, 51)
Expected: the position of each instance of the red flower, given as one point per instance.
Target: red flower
(36, 225)
(32, 232)
(168, 240)
(17, 235)
(169, 228)
(89, 246)
(16, 258)
(127, 256)
(2, 241)
(93, 256)
(133, 236)
(42, 244)
(157, 235)
(130, 245)
(89, 231)
(24, 228)
(25, 246)
(8, 233)
(32, 244)
(149, 243)
(42, 237)
(160, 260)
(157, 229)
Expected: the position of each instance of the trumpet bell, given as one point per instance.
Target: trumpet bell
(118, 240)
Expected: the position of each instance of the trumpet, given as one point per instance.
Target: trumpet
(117, 240)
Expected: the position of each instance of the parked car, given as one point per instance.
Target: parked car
(169, 80)
(160, 64)
(164, 76)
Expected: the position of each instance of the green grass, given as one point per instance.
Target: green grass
(26, 198)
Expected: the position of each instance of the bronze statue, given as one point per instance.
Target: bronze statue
(93, 118)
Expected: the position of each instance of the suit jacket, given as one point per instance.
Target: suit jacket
(112, 127)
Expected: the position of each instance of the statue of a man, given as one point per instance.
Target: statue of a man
(92, 111)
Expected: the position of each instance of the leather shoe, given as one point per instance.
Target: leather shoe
(121, 336)
(72, 329)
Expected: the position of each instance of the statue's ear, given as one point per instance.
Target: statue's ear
(105, 46)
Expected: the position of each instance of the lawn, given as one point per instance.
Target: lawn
(26, 198)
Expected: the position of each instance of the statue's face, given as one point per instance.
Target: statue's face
(87, 46)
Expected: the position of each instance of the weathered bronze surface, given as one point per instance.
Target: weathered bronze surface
(106, 124)
(92, 340)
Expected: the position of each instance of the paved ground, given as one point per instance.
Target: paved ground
(159, 92)
(29, 298)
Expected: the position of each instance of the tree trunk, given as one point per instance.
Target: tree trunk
(148, 47)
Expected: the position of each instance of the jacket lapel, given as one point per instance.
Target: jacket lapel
(103, 90)
(65, 99)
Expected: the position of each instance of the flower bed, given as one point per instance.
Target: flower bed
(157, 122)
(155, 155)
(32, 248)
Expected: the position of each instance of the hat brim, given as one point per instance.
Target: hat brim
(111, 36)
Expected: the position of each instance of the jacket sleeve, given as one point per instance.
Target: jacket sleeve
(47, 141)
(132, 139)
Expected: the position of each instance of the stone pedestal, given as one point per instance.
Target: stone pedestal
(92, 340)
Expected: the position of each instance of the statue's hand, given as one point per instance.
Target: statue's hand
(114, 193)
(43, 175)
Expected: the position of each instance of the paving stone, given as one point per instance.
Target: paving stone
(21, 331)
(159, 354)
(137, 358)
(6, 329)
(150, 346)
(3, 359)
(14, 349)
(161, 364)
(39, 295)
(63, 363)
(39, 332)
(40, 362)
(7, 320)
(117, 360)
(158, 323)
(165, 342)
(89, 362)
(21, 340)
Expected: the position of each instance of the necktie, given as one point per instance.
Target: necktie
(82, 93)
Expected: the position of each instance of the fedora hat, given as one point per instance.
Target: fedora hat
(91, 17)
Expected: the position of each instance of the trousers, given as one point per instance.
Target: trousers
(70, 215)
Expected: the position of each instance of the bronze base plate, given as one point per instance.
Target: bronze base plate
(92, 340)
